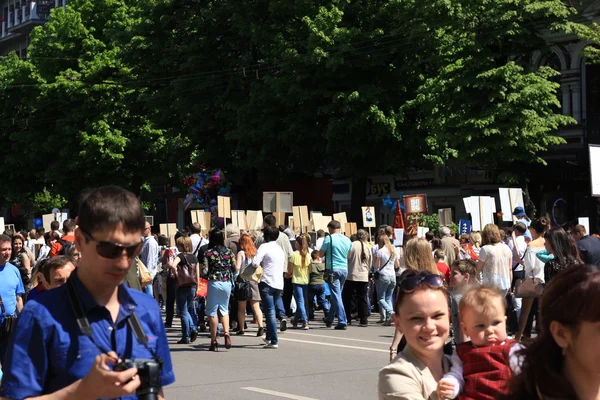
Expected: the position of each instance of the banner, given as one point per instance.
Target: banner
(465, 227)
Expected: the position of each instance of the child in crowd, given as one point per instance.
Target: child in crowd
(462, 277)
(440, 263)
(489, 358)
(316, 285)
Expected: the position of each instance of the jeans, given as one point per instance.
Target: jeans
(149, 290)
(385, 287)
(201, 310)
(360, 289)
(185, 303)
(301, 296)
(517, 302)
(269, 297)
(170, 307)
(287, 294)
(319, 291)
(279, 309)
(337, 305)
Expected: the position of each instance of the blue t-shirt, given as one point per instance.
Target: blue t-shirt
(48, 351)
(11, 285)
(341, 248)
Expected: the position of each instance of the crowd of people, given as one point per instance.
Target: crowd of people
(462, 306)
(471, 337)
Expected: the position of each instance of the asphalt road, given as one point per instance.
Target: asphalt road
(318, 364)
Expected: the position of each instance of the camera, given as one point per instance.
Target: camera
(149, 373)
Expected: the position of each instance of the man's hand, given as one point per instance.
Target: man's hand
(446, 389)
(101, 382)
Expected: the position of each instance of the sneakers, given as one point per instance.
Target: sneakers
(261, 331)
(327, 323)
(283, 325)
(305, 327)
(183, 341)
(267, 341)
(363, 324)
(271, 346)
(340, 327)
(193, 336)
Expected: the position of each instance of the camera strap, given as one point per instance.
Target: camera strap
(2, 306)
(86, 328)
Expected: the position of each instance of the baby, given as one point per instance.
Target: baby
(488, 358)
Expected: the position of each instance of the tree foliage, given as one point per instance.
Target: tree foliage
(70, 117)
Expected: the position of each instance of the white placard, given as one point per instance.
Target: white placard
(595, 169)
(467, 201)
(399, 234)
(482, 211)
(421, 231)
(585, 221)
(509, 200)
(2, 224)
(61, 218)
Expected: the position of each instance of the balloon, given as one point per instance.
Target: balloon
(38, 223)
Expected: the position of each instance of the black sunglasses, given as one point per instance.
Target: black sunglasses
(114, 250)
(410, 284)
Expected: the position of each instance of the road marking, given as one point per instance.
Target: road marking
(278, 394)
(332, 345)
(336, 337)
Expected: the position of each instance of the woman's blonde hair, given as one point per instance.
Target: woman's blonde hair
(417, 254)
(475, 239)
(384, 241)
(184, 244)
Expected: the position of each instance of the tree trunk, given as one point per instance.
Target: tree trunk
(358, 197)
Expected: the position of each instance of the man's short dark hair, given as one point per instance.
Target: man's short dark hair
(5, 238)
(163, 240)
(429, 235)
(52, 264)
(320, 233)
(40, 231)
(270, 220)
(54, 225)
(520, 227)
(196, 228)
(108, 206)
(69, 225)
(333, 224)
(270, 233)
(580, 229)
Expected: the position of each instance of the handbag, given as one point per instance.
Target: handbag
(328, 273)
(202, 290)
(242, 290)
(186, 275)
(9, 322)
(529, 287)
(143, 273)
(252, 273)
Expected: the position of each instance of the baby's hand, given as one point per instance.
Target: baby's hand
(445, 389)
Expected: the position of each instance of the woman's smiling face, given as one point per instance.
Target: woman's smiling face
(424, 320)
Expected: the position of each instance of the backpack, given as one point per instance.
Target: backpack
(66, 246)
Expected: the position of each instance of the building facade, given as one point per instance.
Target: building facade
(17, 20)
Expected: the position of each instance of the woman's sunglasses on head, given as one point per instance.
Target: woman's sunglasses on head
(114, 250)
(411, 283)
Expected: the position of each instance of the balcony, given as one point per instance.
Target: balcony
(22, 19)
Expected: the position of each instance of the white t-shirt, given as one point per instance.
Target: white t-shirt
(519, 252)
(497, 260)
(384, 259)
(319, 243)
(271, 257)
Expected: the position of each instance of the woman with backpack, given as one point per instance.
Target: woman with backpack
(245, 255)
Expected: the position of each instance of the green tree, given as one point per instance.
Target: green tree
(70, 114)
(291, 88)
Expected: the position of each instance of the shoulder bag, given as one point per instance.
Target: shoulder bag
(328, 273)
(143, 273)
(185, 275)
(377, 273)
(528, 287)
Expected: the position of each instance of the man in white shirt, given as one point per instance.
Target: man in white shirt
(271, 258)
(150, 255)
(198, 240)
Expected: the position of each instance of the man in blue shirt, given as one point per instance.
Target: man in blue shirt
(49, 354)
(11, 289)
(335, 249)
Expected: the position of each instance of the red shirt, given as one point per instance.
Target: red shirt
(444, 270)
(486, 370)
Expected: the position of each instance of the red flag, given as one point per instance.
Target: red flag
(398, 219)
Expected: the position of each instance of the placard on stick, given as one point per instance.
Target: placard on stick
(224, 207)
(279, 218)
(149, 219)
(368, 214)
(169, 230)
(47, 220)
(2, 223)
(254, 220)
(509, 200)
(482, 209)
(10, 227)
(278, 202)
(313, 216)
(398, 236)
(350, 228)
(238, 219)
(321, 222)
(202, 217)
(445, 216)
(342, 219)
(301, 220)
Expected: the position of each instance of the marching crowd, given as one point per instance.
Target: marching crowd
(463, 307)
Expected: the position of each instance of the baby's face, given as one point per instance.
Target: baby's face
(485, 329)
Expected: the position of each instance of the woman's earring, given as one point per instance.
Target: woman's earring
(564, 351)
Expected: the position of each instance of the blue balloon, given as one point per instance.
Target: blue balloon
(38, 223)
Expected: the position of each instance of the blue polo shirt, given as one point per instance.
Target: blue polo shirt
(11, 285)
(48, 352)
